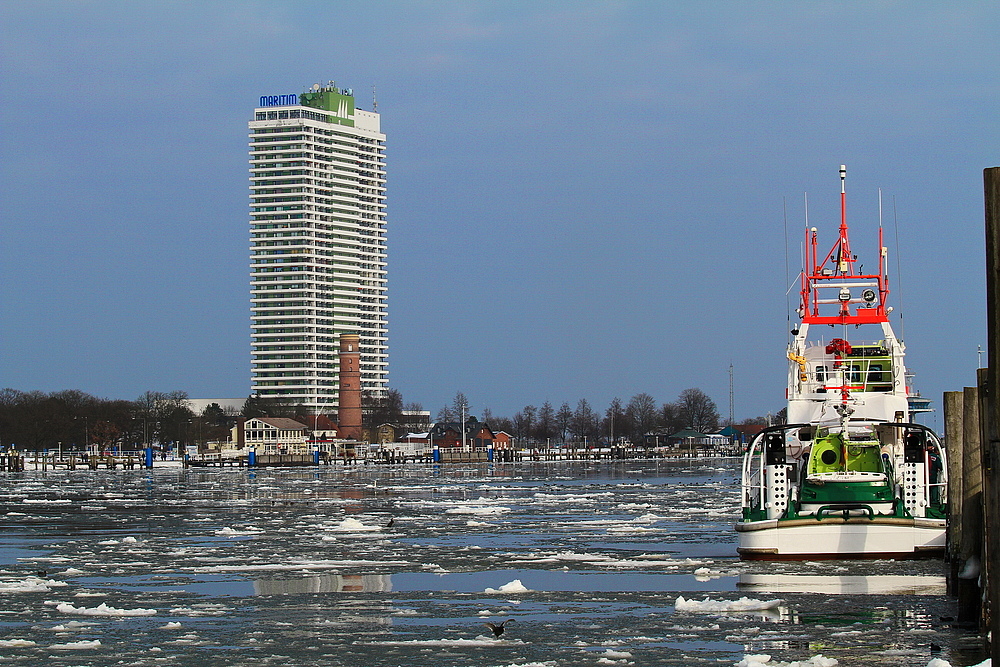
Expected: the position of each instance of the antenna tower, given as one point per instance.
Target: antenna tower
(731, 393)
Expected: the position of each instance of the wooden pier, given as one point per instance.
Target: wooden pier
(972, 432)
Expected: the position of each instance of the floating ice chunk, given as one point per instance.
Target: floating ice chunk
(352, 525)
(481, 640)
(609, 653)
(510, 587)
(15, 643)
(74, 646)
(764, 660)
(129, 540)
(970, 570)
(73, 572)
(102, 610)
(478, 510)
(743, 604)
(29, 585)
(172, 625)
(71, 626)
(233, 532)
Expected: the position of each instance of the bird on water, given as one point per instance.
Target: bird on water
(498, 628)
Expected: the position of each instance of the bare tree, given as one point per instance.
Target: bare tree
(545, 428)
(446, 414)
(671, 418)
(563, 418)
(614, 420)
(460, 406)
(641, 416)
(384, 408)
(584, 422)
(700, 410)
(487, 416)
(524, 422)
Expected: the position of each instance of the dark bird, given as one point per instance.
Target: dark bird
(392, 520)
(498, 628)
(41, 573)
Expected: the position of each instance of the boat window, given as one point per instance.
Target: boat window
(855, 375)
(821, 374)
(875, 373)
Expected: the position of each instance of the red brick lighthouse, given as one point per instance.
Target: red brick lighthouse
(349, 409)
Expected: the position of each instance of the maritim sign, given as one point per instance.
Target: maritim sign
(278, 100)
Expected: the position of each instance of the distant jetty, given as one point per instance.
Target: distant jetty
(143, 459)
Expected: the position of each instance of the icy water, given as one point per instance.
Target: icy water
(301, 567)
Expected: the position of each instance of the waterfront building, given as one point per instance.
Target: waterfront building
(448, 435)
(317, 245)
(271, 435)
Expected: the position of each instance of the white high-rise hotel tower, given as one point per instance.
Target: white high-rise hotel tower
(317, 244)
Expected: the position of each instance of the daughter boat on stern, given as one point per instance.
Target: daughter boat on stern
(850, 475)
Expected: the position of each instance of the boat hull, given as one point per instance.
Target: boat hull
(835, 537)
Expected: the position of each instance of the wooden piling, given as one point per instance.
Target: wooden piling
(991, 415)
(970, 514)
(953, 405)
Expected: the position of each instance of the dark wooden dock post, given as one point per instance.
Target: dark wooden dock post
(953, 431)
(991, 415)
(970, 515)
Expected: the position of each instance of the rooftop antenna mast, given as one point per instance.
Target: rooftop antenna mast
(731, 422)
(374, 100)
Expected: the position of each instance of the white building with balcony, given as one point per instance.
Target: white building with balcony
(273, 435)
(317, 245)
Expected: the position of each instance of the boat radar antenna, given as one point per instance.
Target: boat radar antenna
(857, 297)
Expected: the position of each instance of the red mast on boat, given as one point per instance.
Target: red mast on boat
(865, 293)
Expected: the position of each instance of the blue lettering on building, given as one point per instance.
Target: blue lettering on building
(278, 100)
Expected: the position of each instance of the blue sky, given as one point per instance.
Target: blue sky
(586, 199)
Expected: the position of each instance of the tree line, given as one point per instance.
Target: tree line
(630, 421)
(74, 420)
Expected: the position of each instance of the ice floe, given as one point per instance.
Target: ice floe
(102, 610)
(708, 605)
(234, 532)
(510, 587)
(352, 525)
(29, 585)
(481, 640)
(76, 646)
